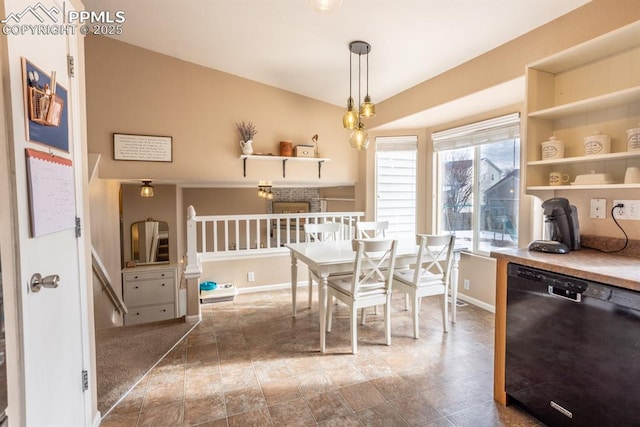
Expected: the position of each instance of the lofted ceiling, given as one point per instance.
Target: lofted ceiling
(286, 44)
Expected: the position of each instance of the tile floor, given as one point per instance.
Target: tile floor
(249, 363)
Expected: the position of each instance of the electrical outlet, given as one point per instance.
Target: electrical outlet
(630, 210)
(466, 284)
(598, 208)
(251, 277)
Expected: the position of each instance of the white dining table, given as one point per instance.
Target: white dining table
(333, 257)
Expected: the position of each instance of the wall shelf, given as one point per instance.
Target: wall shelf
(319, 160)
(587, 159)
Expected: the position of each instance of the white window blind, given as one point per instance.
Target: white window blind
(396, 183)
(485, 132)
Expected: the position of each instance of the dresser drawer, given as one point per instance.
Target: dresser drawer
(149, 275)
(147, 292)
(150, 313)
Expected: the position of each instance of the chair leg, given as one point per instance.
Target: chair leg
(363, 316)
(387, 320)
(406, 302)
(416, 310)
(445, 313)
(310, 289)
(354, 329)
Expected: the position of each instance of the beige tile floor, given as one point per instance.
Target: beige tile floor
(249, 363)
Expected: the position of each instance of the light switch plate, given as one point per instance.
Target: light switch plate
(598, 208)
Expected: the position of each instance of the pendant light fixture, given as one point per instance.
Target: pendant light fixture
(352, 120)
(146, 189)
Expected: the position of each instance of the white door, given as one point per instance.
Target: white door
(53, 320)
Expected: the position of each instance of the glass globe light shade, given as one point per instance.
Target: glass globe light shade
(359, 138)
(368, 108)
(350, 118)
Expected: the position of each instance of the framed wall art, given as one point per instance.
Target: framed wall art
(144, 148)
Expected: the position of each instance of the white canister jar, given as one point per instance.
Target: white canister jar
(552, 149)
(633, 139)
(598, 143)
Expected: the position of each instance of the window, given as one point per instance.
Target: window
(396, 183)
(478, 182)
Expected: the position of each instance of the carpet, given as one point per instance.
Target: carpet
(125, 354)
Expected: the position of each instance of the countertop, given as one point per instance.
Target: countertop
(612, 269)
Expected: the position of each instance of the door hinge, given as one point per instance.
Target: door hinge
(85, 380)
(71, 66)
(78, 227)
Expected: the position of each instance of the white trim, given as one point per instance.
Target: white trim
(481, 304)
(266, 288)
(193, 318)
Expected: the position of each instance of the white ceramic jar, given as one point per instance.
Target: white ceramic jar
(598, 143)
(552, 149)
(633, 139)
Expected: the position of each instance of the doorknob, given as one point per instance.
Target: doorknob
(37, 281)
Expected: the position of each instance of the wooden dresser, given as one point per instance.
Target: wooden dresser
(150, 293)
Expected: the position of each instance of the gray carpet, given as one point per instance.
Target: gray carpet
(125, 354)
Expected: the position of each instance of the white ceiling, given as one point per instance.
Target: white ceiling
(284, 43)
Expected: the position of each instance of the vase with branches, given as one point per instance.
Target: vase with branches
(247, 132)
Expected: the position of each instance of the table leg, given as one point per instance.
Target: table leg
(294, 283)
(323, 307)
(454, 285)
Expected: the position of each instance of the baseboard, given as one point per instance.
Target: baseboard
(193, 319)
(267, 288)
(483, 305)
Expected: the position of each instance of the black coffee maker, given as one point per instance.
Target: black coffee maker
(561, 227)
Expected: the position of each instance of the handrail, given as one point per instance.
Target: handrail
(218, 237)
(105, 281)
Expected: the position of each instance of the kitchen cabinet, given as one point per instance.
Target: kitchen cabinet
(284, 160)
(592, 87)
(150, 293)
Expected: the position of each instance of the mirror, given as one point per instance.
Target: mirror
(150, 242)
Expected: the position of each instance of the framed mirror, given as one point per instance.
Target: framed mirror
(150, 242)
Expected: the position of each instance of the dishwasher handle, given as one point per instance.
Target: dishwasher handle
(565, 294)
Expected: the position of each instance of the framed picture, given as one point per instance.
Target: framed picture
(144, 148)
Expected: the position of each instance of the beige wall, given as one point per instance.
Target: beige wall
(105, 238)
(133, 90)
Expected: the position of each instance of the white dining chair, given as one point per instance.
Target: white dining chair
(429, 276)
(320, 232)
(371, 229)
(369, 285)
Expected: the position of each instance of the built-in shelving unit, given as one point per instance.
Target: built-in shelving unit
(319, 160)
(592, 87)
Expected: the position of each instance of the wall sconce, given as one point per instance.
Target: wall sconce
(265, 192)
(352, 120)
(146, 189)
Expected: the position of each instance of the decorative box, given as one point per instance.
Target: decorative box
(305, 151)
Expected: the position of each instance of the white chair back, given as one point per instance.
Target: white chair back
(374, 264)
(321, 232)
(435, 254)
(371, 229)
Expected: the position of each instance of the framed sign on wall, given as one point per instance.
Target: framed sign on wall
(145, 148)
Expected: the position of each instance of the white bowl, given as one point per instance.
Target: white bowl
(593, 178)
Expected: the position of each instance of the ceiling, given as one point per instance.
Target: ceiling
(284, 43)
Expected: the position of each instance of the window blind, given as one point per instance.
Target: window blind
(485, 132)
(397, 143)
(396, 183)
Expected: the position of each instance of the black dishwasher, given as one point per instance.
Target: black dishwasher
(573, 349)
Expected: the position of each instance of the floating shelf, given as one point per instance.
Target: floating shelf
(319, 160)
(586, 159)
